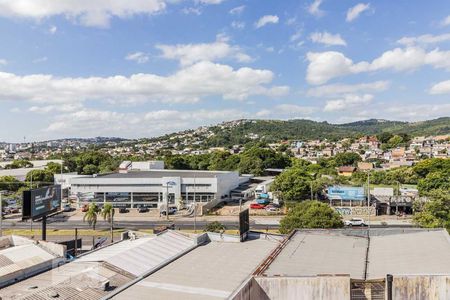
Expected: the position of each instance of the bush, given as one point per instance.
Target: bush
(215, 226)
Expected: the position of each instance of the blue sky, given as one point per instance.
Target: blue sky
(141, 68)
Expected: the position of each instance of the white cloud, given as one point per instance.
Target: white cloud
(289, 109)
(332, 90)
(314, 8)
(188, 85)
(356, 10)
(96, 13)
(139, 57)
(446, 21)
(40, 59)
(414, 112)
(268, 19)
(347, 102)
(192, 11)
(327, 39)
(3, 62)
(238, 25)
(324, 66)
(442, 87)
(188, 54)
(56, 108)
(52, 29)
(237, 10)
(424, 39)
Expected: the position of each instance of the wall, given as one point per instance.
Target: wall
(277, 288)
(356, 211)
(431, 287)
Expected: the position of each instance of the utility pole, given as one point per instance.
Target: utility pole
(368, 198)
(195, 207)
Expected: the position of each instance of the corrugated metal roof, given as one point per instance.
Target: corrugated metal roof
(150, 254)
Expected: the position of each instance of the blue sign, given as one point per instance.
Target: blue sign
(346, 193)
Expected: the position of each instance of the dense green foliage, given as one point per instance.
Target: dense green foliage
(19, 163)
(10, 183)
(43, 176)
(251, 161)
(436, 212)
(310, 214)
(275, 130)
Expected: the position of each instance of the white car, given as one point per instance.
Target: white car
(355, 222)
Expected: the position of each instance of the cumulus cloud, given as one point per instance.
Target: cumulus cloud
(56, 108)
(192, 11)
(188, 54)
(268, 19)
(187, 85)
(96, 13)
(347, 102)
(237, 10)
(52, 29)
(356, 10)
(139, 57)
(424, 39)
(314, 8)
(442, 87)
(324, 66)
(327, 39)
(331, 90)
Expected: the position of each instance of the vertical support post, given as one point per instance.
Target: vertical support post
(44, 228)
(195, 207)
(76, 242)
(389, 280)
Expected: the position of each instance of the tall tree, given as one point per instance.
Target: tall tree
(108, 214)
(91, 217)
(310, 214)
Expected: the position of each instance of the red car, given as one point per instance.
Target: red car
(256, 206)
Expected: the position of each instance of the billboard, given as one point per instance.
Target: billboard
(41, 202)
(348, 193)
(244, 224)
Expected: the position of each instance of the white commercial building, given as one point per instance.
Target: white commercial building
(151, 188)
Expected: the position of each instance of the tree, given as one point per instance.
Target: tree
(436, 212)
(294, 184)
(53, 167)
(91, 215)
(347, 159)
(90, 169)
(10, 183)
(215, 226)
(108, 214)
(310, 214)
(44, 176)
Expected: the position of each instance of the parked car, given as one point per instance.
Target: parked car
(256, 206)
(271, 207)
(172, 210)
(123, 210)
(67, 208)
(262, 201)
(143, 209)
(355, 222)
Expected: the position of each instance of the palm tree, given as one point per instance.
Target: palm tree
(108, 214)
(91, 217)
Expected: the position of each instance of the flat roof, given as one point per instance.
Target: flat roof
(165, 173)
(314, 252)
(396, 251)
(211, 271)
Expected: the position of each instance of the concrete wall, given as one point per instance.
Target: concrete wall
(278, 288)
(417, 287)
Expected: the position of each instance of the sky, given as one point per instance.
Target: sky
(142, 68)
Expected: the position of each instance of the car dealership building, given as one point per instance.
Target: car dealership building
(150, 188)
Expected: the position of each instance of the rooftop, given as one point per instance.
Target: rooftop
(210, 271)
(164, 173)
(343, 251)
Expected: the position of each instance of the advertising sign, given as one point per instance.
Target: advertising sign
(346, 193)
(244, 224)
(41, 202)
